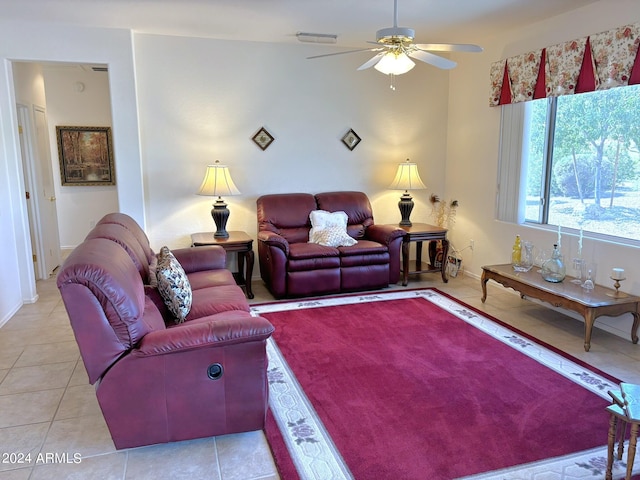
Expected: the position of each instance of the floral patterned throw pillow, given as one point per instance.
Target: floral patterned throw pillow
(173, 285)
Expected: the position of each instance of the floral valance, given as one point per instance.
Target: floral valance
(597, 62)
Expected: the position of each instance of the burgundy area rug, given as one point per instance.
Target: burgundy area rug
(416, 385)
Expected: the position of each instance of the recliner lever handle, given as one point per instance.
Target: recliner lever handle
(215, 371)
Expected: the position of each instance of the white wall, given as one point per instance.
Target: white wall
(202, 100)
(16, 243)
(79, 207)
(37, 43)
(473, 141)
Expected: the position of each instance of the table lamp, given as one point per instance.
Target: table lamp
(407, 178)
(217, 182)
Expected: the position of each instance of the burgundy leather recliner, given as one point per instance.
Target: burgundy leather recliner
(158, 381)
(290, 266)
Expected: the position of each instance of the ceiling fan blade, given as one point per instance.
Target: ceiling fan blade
(449, 47)
(432, 59)
(341, 53)
(372, 61)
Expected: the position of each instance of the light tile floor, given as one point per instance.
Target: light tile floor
(48, 407)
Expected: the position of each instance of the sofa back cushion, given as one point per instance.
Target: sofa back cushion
(355, 204)
(286, 214)
(104, 297)
(130, 224)
(123, 236)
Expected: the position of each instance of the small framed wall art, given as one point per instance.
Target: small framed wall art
(86, 156)
(263, 138)
(351, 139)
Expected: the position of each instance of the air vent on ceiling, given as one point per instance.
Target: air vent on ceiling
(317, 37)
(100, 69)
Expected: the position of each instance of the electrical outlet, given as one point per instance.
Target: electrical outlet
(472, 244)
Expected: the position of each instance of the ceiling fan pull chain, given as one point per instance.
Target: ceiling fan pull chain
(392, 86)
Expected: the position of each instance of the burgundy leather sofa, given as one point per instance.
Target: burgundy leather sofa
(158, 381)
(291, 266)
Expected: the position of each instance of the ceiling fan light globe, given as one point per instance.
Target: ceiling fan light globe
(394, 64)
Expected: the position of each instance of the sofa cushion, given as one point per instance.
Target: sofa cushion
(123, 237)
(363, 247)
(355, 204)
(210, 278)
(105, 269)
(174, 285)
(130, 224)
(329, 229)
(300, 251)
(286, 214)
(212, 300)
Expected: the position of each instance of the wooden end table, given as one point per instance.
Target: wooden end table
(423, 232)
(239, 242)
(566, 294)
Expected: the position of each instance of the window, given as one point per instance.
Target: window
(581, 161)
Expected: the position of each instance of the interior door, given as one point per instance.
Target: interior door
(49, 235)
(27, 167)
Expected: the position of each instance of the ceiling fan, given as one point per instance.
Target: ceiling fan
(395, 46)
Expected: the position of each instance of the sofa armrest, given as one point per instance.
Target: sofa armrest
(274, 240)
(198, 259)
(216, 333)
(384, 234)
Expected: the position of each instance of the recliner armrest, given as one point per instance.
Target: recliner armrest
(384, 234)
(189, 336)
(274, 240)
(198, 259)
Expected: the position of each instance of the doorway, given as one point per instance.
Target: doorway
(50, 94)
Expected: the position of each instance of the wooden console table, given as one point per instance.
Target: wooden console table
(591, 305)
(423, 232)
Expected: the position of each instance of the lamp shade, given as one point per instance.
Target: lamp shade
(218, 182)
(407, 178)
(394, 64)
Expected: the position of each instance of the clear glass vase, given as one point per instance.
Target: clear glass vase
(526, 258)
(553, 270)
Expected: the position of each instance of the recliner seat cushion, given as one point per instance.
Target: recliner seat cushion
(311, 256)
(212, 300)
(300, 251)
(363, 247)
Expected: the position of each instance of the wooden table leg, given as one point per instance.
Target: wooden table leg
(418, 255)
(610, 444)
(589, 320)
(634, 327)
(445, 255)
(483, 283)
(249, 274)
(631, 453)
(405, 263)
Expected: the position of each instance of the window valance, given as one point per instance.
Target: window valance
(597, 62)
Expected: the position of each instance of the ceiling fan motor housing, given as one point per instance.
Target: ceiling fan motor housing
(395, 35)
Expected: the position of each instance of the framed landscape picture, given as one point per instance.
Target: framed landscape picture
(86, 156)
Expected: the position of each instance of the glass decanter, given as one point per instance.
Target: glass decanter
(553, 270)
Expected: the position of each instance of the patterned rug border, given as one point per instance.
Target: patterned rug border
(312, 450)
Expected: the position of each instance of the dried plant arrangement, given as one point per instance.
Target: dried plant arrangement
(443, 212)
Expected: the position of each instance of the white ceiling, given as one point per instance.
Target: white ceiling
(354, 21)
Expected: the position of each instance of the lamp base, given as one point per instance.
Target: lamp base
(406, 206)
(220, 214)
